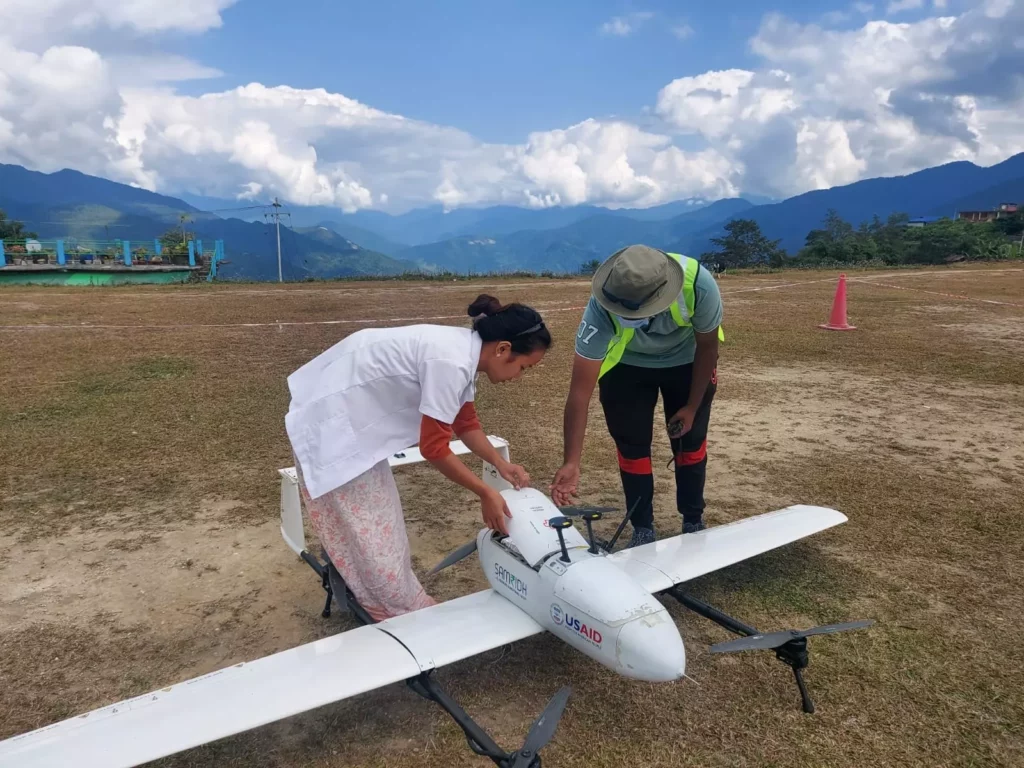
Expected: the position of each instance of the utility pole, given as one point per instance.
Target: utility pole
(277, 222)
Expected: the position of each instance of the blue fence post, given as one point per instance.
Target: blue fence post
(158, 247)
(218, 254)
(199, 250)
(127, 253)
(61, 258)
(191, 253)
(3, 258)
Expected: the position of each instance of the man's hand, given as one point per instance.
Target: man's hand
(494, 510)
(565, 484)
(681, 422)
(513, 473)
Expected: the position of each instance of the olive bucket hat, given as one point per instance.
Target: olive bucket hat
(637, 282)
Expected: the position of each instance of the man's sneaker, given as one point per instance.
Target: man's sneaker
(641, 536)
(693, 527)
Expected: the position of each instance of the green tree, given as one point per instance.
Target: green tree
(744, 245)
(1012, 225)
(13, 230)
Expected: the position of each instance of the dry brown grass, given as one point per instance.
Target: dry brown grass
(138, 543)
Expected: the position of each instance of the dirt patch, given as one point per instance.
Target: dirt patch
(139, 540)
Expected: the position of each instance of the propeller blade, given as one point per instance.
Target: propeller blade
(462, 552)
(773, 640)
(543, 728)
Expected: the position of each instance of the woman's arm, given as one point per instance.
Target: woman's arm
(467, 427)
(434, 438)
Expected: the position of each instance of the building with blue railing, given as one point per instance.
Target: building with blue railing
(71, 261)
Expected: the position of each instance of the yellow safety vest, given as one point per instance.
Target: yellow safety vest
(617, 346)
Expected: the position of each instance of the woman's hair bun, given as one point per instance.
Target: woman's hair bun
(484, 305)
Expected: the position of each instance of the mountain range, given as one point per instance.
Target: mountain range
(323, 242)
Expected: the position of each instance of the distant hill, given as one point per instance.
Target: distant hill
(933, 191)
(364, 237)
(984, 200)
(566, 248)
(67, 188)
(390, 233)
(324, 242)
(68, 204)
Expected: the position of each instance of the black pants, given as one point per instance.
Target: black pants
(629, 395)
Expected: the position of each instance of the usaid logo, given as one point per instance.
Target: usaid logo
(561, 618)
(510, 580)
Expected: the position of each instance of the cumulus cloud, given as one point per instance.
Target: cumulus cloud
(822, 107)
(30, 19)
(832, 106)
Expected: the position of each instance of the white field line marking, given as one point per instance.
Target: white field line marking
(348, 290)
(938, 293)
(281, 324)
(870, 280)
(438, 285)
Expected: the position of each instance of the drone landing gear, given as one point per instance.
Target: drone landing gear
(336, 589)
(540, 733)
(424, 685)
(790, 646)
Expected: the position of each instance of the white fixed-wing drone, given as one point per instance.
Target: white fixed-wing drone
(544, 576)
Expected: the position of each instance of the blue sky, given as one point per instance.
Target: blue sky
(399, 104)
(497, 70)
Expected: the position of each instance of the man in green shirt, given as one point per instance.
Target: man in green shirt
(653, 324)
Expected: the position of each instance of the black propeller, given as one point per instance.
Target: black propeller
(580, 511)
(462, 552)
(773, 640)
(541, 732)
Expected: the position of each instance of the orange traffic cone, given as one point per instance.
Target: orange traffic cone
(837, 321)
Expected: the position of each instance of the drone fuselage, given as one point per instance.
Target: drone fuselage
(589, 602)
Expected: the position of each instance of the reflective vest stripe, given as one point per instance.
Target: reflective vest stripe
(680, 313)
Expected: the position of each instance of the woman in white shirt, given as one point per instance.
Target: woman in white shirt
(378, 392)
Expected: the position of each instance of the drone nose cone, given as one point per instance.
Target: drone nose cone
(650, 648)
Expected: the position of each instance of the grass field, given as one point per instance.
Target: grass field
(141, 431)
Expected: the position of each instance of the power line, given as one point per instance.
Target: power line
(228, 210)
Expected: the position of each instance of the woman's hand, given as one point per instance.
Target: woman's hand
(565, 484)
(513, 473)
(494, 511)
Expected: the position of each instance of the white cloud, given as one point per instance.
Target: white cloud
(682, 31)
(714, 103)
(824, 106)
(940, 4)
(864, 8)
(22, 19)
(619, 164)
(831, 106)
(898, 6)
(623, 26)
(138, 70)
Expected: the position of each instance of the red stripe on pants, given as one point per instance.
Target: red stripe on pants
(688, 458)
(635, 466)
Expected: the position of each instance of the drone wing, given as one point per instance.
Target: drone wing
(254, 693)
(663, 564)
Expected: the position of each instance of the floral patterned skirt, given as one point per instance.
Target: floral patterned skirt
(361, 526)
